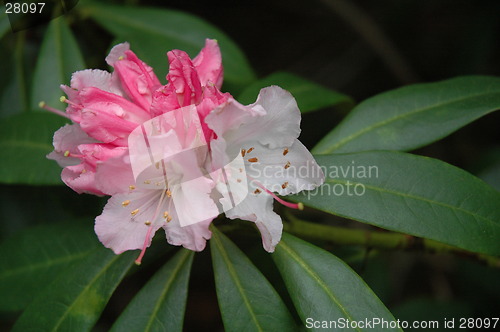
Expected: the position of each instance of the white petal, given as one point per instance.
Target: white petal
(95, 78)
(281, 124)
(259, 209)
(68, 138)
(116, 52)
(119, 229)
(192, 237)
(285, 171)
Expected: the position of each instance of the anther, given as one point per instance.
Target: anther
(134, 212)
(243, 152)
(157, 165)
(121, 57)
(169, 219)
(147, 223)
(165, 214)
(253, 160)
(284, 185)
(125, 203)
(257, 191)
(285, 151)
(241, 170)
(147, 182)
(131, 187)
(250, 150)
(238, 180)
(66, 153)
(169, 193)
(287, 166)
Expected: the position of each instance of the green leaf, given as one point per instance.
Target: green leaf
(410, 194)
(161, 303)
(309, 95)
(4, 21)
(154, 31)
(413, 116)
(34, 257)
(59, 58)
(324, 288)
(247, 300)
(74, 300)
(25, 140)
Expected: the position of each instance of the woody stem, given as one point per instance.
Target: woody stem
(377, 239)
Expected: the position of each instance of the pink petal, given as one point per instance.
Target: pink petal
(80, 179)
(208, 64)
(182, 75)
(114, 176)
(164, 100)
(137, 79)
(103, 122)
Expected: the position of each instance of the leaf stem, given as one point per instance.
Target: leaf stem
(378, 239)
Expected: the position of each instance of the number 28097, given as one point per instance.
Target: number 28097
(24, 8)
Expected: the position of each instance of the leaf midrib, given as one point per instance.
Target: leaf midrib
(54, 262)
(421, 198)
(396, 118)
(236, 280)
(316, 277)
(84, 290)
(169, 283)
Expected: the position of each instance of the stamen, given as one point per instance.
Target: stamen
(169, 193)
(284, 185)
(253, 160)
(131, 187)
(165, 214)
(121, 57)
(298, 206)
(145, 246)
(125, 203)
(43, 105)
(285, 151)
(147, 223)
(243, 152)
(147, 182)
(134, 212)
(250, 150)
(287, 166)
(257, 191)
(72, 155)
(63, 99)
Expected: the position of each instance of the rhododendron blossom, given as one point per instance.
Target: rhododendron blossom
(175, 156)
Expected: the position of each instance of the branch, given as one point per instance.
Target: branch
(378, 239)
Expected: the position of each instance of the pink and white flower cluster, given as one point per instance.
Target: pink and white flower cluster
(198, 131)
